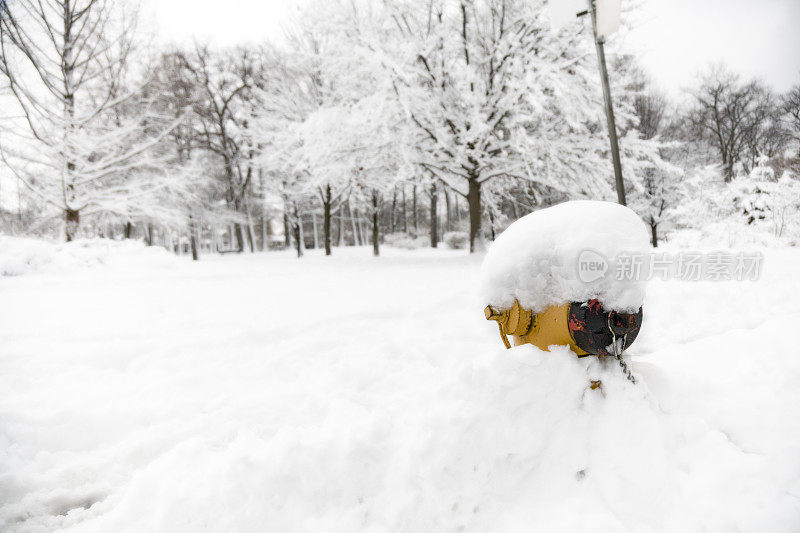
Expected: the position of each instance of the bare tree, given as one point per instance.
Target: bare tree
(728, 113)
(433, 194)
(769, 135)
(791, 109)
(172, 88)
(65, 61)
(225, 104)
(648, 104)
(650, 108)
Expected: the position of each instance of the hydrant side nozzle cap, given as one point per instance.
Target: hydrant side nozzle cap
(492, 313)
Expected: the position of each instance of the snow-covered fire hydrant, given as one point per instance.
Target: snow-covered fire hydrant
(552, 278)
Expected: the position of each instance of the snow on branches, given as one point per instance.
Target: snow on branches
(85, 142)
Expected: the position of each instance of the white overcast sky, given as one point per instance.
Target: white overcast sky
(675, 38)
(758, 38)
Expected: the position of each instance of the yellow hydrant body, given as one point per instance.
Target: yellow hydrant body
(550, 328)
(586, 327)
(545, 329)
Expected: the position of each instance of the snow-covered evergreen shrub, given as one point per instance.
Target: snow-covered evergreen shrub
(766, 202)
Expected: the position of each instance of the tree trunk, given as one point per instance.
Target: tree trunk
(361, 233)
(393, 222)
(297, 245)
(193, 238)
(326, 220)
(727, 166)
(287, 237)
(251, 232)
(239, 237)
(299, 218)
(315, 229)
(728, 172)
(375, 228)
(405, 212)
(434, 217)
(340, 242)
(128, 230)
(72, 221)
(264, 233)
(149, 235)
(474, 203)
(414, 208)
(298, 233)
(654, 232)
(356, 239)
(448, 221)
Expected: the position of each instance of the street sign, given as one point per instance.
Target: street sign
(608, 12)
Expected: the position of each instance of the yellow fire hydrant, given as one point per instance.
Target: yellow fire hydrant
(585, 327)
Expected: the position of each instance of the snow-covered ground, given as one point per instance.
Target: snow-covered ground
(262, 393)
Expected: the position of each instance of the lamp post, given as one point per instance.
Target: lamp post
(605, 16)
(599, 41)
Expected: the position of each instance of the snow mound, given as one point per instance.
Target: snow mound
(515, 441)
(536, 259)
(19, 256)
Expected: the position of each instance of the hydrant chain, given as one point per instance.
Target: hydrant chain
(615, 346)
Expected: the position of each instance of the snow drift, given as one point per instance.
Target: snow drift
(19, 255)
(516, 441)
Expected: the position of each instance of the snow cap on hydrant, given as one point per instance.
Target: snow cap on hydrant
(553, 277)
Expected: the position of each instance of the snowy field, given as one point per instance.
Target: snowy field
(140, 392)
